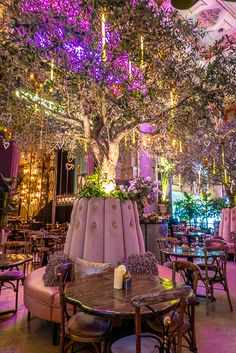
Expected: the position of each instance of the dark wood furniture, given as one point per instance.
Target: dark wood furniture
(8, 261)
(170, 326)
(166, 242)
(215, 271)
(190, 253)
(17, 247)
(190, 274)
(10, 277)
(95, 294)
(79, 327)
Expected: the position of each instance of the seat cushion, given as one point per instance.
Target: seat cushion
(34, 288)
(84, 325)
(128, 345)
(85, 268)
(11, 275)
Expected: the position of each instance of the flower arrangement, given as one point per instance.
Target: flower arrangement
(99, 185)
(143, 191)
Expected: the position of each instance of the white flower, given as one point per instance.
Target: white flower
(148, 178)
(157, 182)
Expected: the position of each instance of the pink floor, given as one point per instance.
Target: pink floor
(216, 333)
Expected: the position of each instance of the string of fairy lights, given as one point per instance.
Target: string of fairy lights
(51, 107)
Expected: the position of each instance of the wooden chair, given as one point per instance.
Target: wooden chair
(171, 324)
(215, 271)
(79, 327)
(11, 279)
(232, 245)
(189, 273)
(166, 242)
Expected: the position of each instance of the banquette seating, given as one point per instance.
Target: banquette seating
(44, 302)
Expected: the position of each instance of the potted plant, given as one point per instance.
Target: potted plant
(187, 208)
(104, 223)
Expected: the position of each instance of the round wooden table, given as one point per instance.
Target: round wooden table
(190, 252)
(8, 261)
(95, 294)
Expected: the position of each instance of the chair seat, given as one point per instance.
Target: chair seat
(11, 275)
(127, 344)
(84, 325)
(211, 275)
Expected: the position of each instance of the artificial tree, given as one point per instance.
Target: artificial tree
(90, 73)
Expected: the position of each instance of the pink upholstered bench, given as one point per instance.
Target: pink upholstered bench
(42, 301)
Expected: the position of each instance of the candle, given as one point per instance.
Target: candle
(118, 276)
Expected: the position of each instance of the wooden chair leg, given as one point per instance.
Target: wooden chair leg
(207, 298)
(16, 299)
(228, 296)
(55, 330)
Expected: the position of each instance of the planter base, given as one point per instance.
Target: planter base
(104, 230)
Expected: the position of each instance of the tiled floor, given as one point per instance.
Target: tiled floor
(216, 333)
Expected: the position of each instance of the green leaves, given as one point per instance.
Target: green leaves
(96, 184)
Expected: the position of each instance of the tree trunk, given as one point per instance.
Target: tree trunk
(107, 160)
(231, 194)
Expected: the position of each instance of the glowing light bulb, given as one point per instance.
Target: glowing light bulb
(109, 187)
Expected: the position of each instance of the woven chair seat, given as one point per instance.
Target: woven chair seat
(84, 325)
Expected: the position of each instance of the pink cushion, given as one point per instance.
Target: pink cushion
(230, 245)
(34, 288)
(41, 310)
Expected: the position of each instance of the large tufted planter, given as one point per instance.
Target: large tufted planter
(227, 223)
(104, 230)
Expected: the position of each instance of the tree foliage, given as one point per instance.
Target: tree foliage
(147, 65)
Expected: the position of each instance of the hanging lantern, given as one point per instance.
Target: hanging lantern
(183, 5)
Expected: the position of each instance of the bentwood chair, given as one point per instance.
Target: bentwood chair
(11, 279)
(166, 242)
(215, 271)
(189, 273)
(79, 326)
(171, 323)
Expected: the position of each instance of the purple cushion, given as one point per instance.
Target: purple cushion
(50, 276)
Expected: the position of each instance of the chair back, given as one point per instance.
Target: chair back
(174, 318)
(65, 273)
(189, 273)
(166, 242)
(219, 251)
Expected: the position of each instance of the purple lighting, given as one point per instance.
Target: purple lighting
(71, 34)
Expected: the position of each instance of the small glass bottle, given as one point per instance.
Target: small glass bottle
(127, 281)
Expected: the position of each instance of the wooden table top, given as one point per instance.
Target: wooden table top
(12, 260)
(190, 252)
(95, 294)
